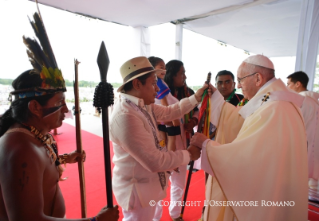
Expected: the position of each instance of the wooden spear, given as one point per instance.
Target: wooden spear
(77, 111)
(191, 166)
(103, 98)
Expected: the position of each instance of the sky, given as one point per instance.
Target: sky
(77, 37)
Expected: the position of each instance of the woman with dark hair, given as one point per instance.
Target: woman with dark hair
(175, 79)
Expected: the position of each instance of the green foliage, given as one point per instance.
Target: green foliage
(67, 83)
(6, 81)
(116, 85)
(195, 88)
(69, 100)
(89, 84)
(84, 99)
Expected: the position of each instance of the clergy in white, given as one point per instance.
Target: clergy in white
(298, 82)
(260, 152)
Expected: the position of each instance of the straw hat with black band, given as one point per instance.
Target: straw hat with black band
(135, 68)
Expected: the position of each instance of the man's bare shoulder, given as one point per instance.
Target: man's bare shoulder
(17, 146)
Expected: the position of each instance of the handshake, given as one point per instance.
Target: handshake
(195, 147)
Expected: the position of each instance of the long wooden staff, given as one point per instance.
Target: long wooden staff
(103, 98)
(191, 166)
(77, 111)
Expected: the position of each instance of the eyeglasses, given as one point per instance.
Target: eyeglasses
(240, 79)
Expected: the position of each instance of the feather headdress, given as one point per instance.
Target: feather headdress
(43, 62)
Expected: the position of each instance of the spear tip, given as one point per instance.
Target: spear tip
(103, 61)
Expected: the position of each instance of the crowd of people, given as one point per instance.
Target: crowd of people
(263, 148)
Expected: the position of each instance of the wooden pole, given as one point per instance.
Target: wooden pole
(190, 171)
(77, 111)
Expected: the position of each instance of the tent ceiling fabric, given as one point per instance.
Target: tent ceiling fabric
(141, 12)
(271, 30)
(269, 27)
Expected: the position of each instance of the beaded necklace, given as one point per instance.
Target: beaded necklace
(48, 141)
(51, 146)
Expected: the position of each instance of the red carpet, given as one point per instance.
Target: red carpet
(95, 181)
(313, 211)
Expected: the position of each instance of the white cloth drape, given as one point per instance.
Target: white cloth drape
(179, 42)
(143, 41)
(308, 39)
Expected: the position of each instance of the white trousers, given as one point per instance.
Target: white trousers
(178, 182)
(138, 213)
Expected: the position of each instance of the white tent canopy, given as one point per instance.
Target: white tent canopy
(271, 27)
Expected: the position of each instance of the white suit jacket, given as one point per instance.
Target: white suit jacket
(137, 160)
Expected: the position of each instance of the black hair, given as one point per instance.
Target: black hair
(19, 111)
(154, 60)
(300, 76)
(172, 68)
(225, 72)
(129, 85)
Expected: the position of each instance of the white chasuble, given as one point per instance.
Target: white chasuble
(262, 165)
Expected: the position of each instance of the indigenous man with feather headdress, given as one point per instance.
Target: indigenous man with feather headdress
(30, 165)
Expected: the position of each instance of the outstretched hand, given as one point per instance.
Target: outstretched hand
(199, 92)
(194, 152)
(198, 139)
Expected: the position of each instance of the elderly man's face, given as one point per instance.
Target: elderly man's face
(247, 82)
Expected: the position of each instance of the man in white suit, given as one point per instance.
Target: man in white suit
(141, 164)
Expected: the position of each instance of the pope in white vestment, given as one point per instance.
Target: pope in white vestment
(260, 171)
